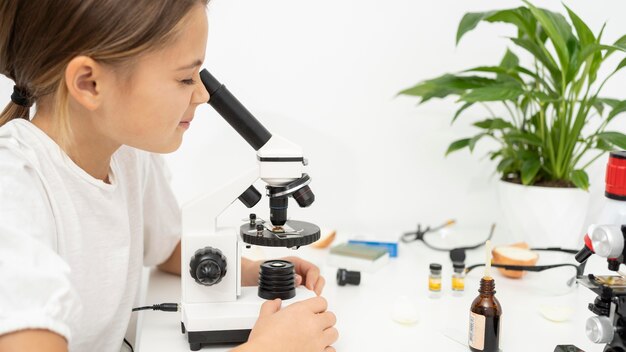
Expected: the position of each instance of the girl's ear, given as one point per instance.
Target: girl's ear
(84, 80)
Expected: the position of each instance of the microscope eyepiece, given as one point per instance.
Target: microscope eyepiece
(225, 103)
(211, 83)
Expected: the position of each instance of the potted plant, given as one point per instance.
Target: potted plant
(546, 115)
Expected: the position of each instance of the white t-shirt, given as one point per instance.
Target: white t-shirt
(71, 246)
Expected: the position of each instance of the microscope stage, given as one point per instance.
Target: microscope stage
(292, 234)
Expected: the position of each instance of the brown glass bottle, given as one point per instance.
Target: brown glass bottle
(484, 329)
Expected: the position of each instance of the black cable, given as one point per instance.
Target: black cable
(535, 268)
(129, 345)
(419, 235)
(556, 249)
(164, 307)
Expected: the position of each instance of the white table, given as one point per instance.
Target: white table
(364, 311)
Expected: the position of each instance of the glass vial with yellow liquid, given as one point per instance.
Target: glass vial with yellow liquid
(458, 279)
(434, 280)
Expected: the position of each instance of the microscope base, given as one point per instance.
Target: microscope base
(204, 338)
(227, 322)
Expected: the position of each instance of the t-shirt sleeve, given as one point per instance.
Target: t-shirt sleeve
(35, 287)
(162, 214)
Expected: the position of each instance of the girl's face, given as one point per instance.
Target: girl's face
(155, 105)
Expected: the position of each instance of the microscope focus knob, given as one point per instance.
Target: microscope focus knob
(607, 240)
(599, 329)
(208, 266)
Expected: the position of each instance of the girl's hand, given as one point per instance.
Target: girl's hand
(307, 273)
(304, 326)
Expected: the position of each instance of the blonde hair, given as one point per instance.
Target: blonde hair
(39, 38)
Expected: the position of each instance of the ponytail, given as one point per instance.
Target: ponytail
(19, 107)
(13, 111)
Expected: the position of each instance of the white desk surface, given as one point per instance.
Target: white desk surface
(364, 312)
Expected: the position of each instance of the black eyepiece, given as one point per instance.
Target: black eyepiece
(348, 277)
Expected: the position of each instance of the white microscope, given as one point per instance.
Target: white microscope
(607, 239)
(216, 309)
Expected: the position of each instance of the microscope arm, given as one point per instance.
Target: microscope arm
(200, 215)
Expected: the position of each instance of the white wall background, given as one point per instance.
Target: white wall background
(325, 73)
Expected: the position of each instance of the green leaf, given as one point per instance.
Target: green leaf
(614, 138)
(617, 109)
(495, 69)
(621, 65)
(461, 109)
(502, 74)
(523, 105)
(524, 154)
(505, 164)
(599, 107)
(529, 170)
(543, 97)
(524, 138)
(543, 57)
(546, 86)
(469, 22)
(619, 43)
(609, 101)
(603, 145)
(510, 60)
(575, 63)
(585, 35)
(558, 30)
(597, 59)
(494, 92)
(595, 66)
(580, 179)
(473, 140)
(520, 17)
(586, 39)
(445, 85)
(457, 145)
(494, 124)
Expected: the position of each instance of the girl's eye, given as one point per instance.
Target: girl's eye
(188, 82)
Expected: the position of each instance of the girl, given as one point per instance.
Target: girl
(84, 202)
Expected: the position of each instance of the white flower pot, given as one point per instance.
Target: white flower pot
(543, 216)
